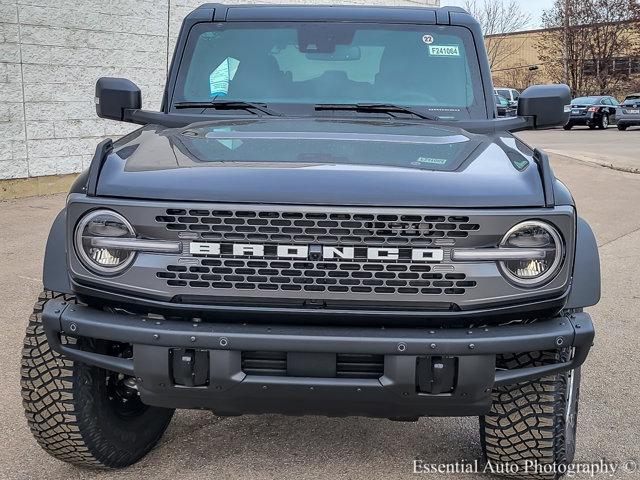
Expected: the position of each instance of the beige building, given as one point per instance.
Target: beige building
(520, 62)
(52, 53)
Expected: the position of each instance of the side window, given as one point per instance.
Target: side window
(605, 101)
(516, 95)
(614, 101)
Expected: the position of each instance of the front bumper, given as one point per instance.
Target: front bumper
(399, 392)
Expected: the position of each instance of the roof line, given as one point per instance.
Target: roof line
(554, 29)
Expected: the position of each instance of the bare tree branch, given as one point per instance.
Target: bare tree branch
(599, 34)
(498, 18)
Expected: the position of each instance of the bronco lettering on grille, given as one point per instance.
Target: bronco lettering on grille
(316, 252)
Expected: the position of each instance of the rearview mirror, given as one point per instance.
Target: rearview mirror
(114, 96)
(548, 105)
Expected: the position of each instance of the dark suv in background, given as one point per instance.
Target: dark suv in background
(594, 112)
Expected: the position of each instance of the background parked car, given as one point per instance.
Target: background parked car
(629, 113)
(505, 109)
(596, 111)
(511, 94)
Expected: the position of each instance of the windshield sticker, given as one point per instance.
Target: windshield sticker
(430, 161)
(428, 39)
(444, 50)
(221, 77)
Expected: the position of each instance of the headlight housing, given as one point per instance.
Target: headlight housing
(103, 260)
(536, 235)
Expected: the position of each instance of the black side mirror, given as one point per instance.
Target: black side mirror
(114, 96)
(548, 105)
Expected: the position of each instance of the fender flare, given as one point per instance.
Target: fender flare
(55, 276)
(585, 287)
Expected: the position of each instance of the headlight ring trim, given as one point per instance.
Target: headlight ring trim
(82, 254)
(555, 267)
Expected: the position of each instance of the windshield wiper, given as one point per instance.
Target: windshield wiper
(375, 107)
(231, 105)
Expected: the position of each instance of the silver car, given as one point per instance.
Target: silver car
(629, 113)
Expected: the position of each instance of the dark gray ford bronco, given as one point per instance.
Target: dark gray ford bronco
(326, 217)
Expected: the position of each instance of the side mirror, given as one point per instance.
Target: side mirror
(548, 105)
(114, 96)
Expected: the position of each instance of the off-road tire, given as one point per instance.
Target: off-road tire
(528, 421)
(68, 408)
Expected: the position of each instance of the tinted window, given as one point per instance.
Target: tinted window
(584, 100)
(503, 93)
(292, 64)
(500, 100)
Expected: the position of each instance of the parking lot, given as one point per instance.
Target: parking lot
(200, 445)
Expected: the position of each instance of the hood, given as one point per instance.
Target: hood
(323, 162)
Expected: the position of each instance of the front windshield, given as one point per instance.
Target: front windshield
(299, 65)
(585, 100)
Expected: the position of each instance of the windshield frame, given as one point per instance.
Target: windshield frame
(483, 107)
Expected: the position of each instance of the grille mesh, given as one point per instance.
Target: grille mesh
(309, 276)
(326, 228)
(348, 365)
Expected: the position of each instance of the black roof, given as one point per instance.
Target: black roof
(311, 13)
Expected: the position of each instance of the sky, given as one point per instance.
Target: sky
(534, 7)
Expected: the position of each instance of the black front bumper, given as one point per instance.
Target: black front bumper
(398, 393)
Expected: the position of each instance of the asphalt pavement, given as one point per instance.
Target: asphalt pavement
(610, 147)
(199, 445)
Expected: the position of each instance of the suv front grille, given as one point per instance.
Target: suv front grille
(340, 259)
(327, 228)
(308, 276)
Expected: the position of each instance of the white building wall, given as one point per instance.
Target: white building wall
(51, 54)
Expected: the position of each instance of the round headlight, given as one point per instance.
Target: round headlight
(103, 260)
(537, 236)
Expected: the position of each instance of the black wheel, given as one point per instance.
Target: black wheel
(604, 122)
(80, 414)
(568, 126)
(533, 421)
(622, 128)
